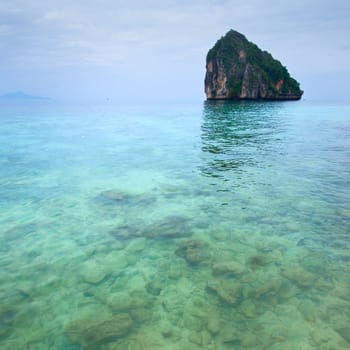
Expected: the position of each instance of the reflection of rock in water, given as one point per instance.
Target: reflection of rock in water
(234, 134)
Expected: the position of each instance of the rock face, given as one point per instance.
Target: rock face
(236, 69)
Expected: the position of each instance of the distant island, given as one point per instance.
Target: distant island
(237, 69)
(19, 95)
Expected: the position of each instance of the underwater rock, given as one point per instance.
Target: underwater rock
(91, 333)
(322, 335)
(307, 241)
(228, 268)
(265, 250)
(155, 286)
(228, 291)
(263, 259)
(248, 308)
(166, 332)
(248, 340)
(142, 314)
(176, 270)
(193, 251)
(287, 289)
(7, 317)
(166, 329)
(219, 236)
(308, 310)
(23, 293)
(201, 339)
(214, 326)
(127, 344)
(195, 338)
(169, 227)
(230, 335)
(132, 259)
(19, 231)
(123, 301)
(126, 232)
(115, 195)
(136, 246)
(270, 286)
(92, 272)
(258, 261)
(299, 276)
(344, 332)
(124, 198)
(340, 243)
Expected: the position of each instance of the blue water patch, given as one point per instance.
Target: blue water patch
(218, 225)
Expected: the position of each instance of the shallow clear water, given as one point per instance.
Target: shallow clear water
(205, 226)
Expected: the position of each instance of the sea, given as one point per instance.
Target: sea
(204, 225)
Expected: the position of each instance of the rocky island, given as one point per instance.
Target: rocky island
(237, 69)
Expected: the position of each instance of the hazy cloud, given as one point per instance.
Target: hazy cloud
(160, 40)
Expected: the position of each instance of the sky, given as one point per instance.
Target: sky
(155, 50)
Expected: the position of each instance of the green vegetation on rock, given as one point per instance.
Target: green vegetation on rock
(239, 69)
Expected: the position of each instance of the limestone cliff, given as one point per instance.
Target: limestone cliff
(237, 69)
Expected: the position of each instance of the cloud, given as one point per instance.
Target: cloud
(87, 31)
(52, 36)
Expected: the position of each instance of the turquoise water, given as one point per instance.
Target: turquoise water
(204, 226)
